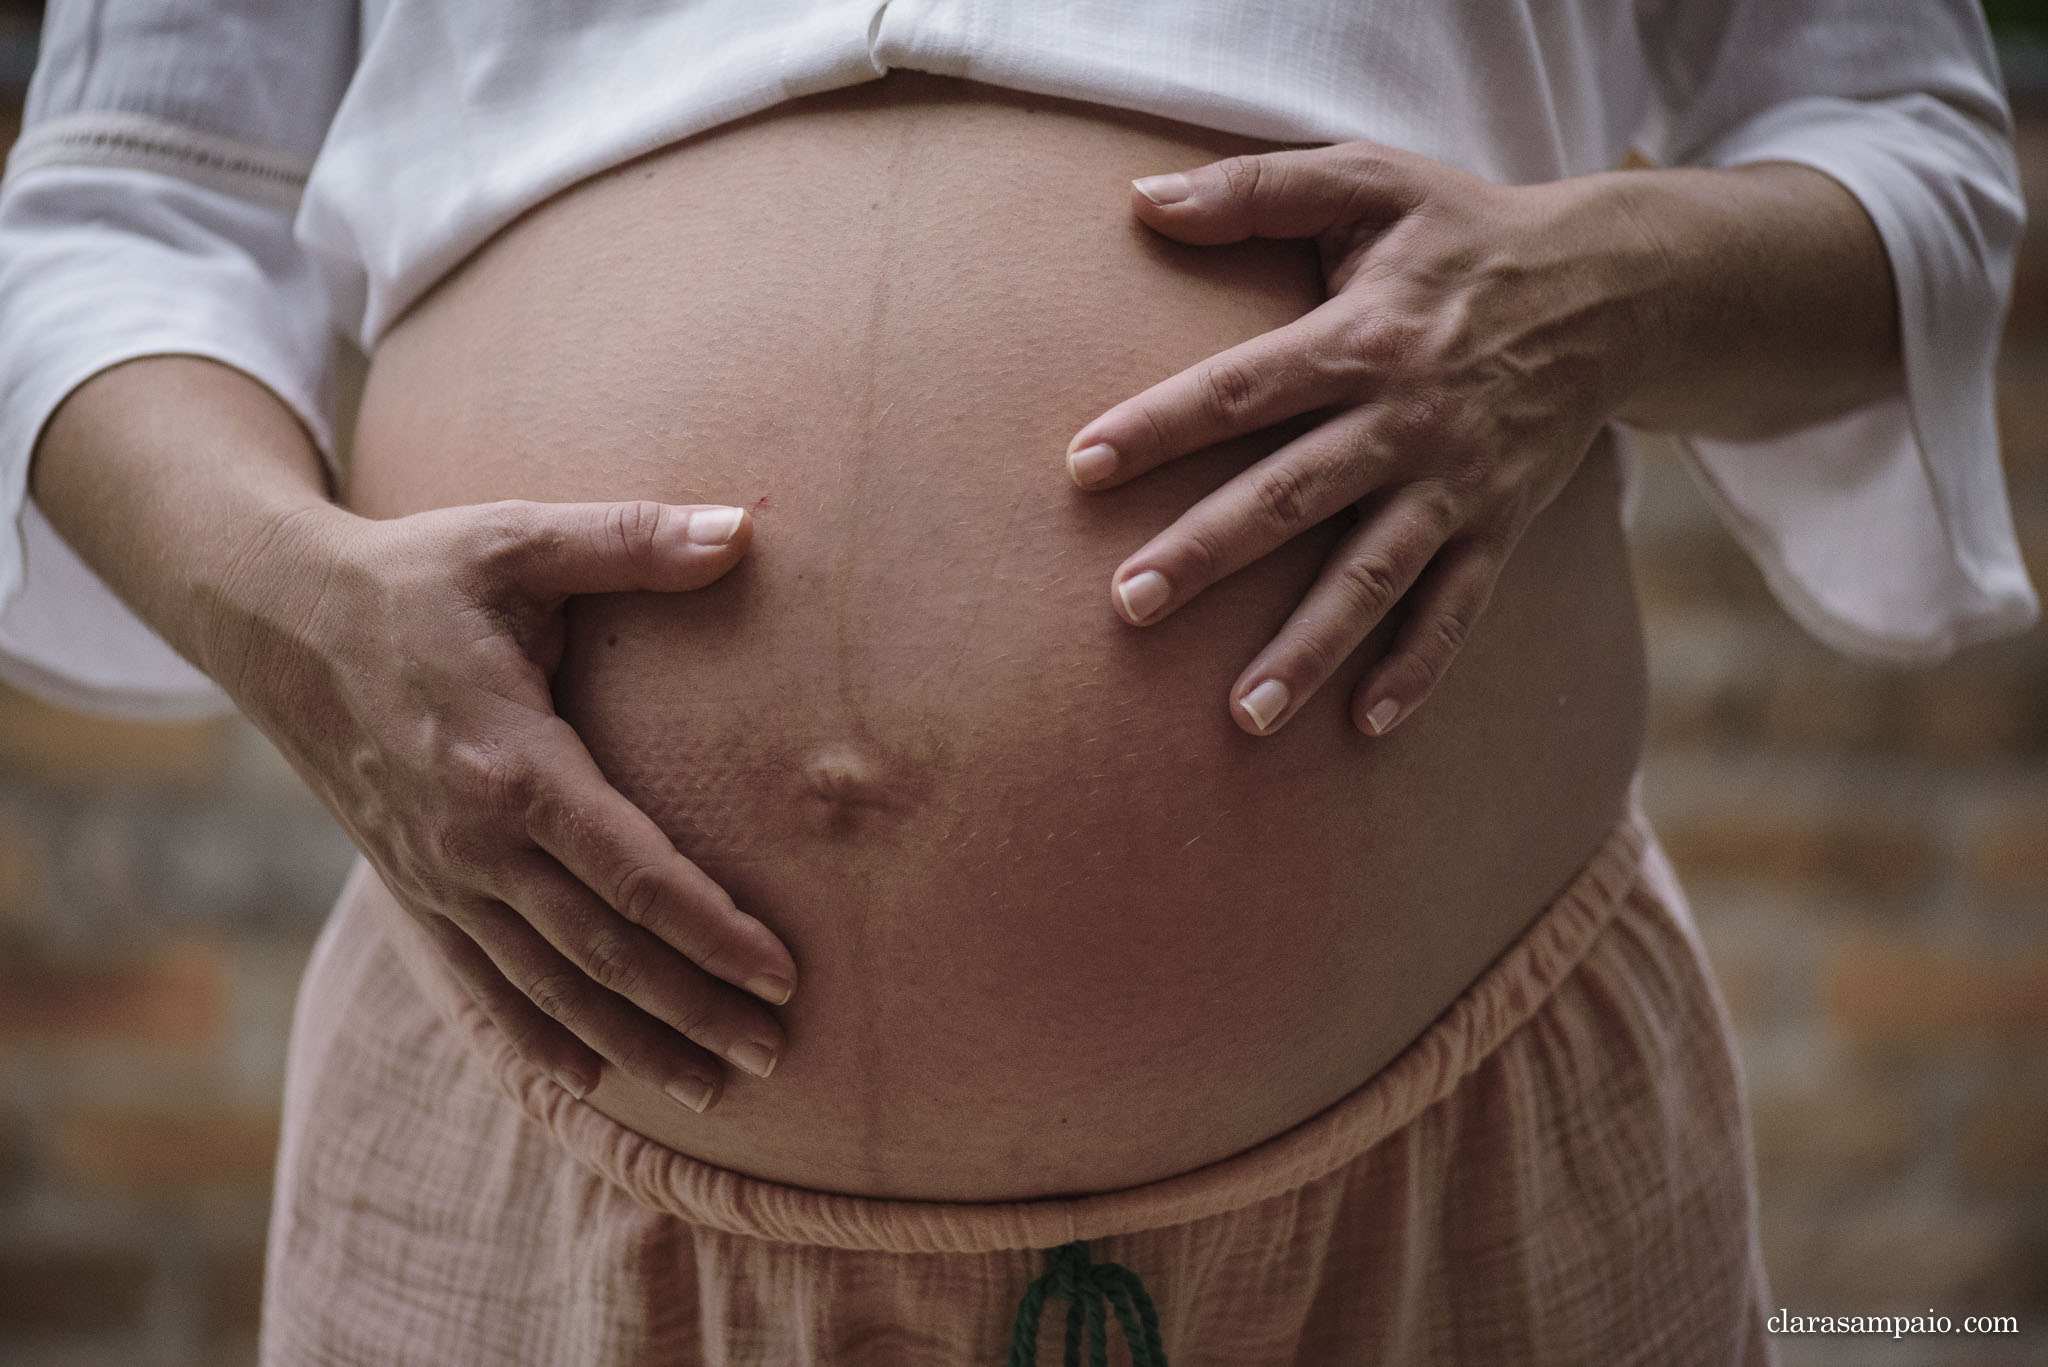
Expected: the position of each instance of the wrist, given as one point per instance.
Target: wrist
(1773, 307)
(194, 494)
(1637, 280)
(258, 604)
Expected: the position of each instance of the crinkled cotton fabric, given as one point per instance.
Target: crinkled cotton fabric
(243, 180)
(1556, 1171)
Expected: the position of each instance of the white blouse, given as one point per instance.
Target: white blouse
(245, 179)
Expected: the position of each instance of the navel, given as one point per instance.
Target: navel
(841, 786)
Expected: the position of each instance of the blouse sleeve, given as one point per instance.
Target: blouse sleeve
(147, 209)
(1885, 532)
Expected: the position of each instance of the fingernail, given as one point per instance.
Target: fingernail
(770, 988)
(1167, 189)
(1382, 716)
(754, 1056)
(572, 1084)
(1264, 703)
(692, 1092)
(1093, 464)
(714, 526)
(1144, 594)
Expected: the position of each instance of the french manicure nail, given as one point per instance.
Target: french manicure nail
(769, 988)
(1144, 594)
(714, 526)
(692, 1092)
(1382, 716)
(572, 1084)
(754, 1056)
(1264, 703)
(1167, 189)
(1093, 464)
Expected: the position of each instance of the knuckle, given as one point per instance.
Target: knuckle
(450, 849)
(1230, 390)
(1319, 656)
(1425, 417)
(1477, 484)
(547, 744)
(542, 807)
(510, 786)
(639, 893)
(1334, 364)
(1370, 167)
(497, 780)
(1441, 415)
(1370, 585)
(557, 993)
(505, 532)
(1382, 345)
(1438, 506)
(691, 1018)
(1286, 495)
(1159, 433)
(631, 528)
(1446, 635)
(1243, 176)
(611, 964)
(1206, 554)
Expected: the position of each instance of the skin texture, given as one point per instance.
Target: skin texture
(1053, 905)
(1052, 908)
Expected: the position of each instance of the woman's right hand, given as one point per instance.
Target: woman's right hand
(402, 667)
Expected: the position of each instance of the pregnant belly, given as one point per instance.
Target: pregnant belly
(1061, 926)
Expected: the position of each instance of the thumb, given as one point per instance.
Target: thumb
(569, 548)
(1281, 194)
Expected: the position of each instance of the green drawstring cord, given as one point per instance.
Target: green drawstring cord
(1085, 1286)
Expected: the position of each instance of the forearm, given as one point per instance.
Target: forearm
(172, 477)
(1767, 299)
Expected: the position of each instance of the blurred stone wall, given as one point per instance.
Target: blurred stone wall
(1867, 852)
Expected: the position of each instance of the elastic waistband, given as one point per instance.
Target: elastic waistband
(1512, 990)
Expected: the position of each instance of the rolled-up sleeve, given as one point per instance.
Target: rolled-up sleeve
(147, 210)
(1885, 532)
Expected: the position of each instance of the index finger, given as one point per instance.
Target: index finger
(1295, 368)
(615, 849)
(1301, 192)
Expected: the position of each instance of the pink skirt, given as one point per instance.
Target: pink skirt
(1556, 1171)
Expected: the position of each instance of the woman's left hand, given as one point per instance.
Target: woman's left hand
(1475, 339)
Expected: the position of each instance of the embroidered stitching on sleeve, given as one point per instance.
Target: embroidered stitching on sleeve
(246, 170)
